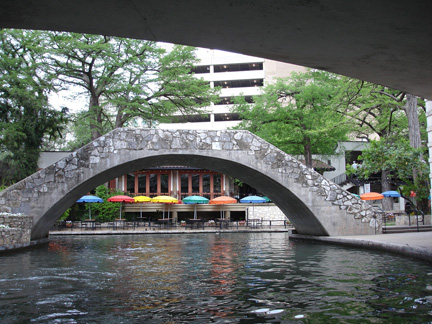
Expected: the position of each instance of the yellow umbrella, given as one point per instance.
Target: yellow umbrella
(164, 200)
(141, 199)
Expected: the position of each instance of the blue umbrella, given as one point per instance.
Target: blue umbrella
(90, 199)
(253, 200)
(391, 193)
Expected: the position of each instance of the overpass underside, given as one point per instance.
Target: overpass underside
(374, 40)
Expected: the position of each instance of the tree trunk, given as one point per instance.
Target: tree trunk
(387, 202)
(414, 133)
(413, 121)
(95, 117)
(307, 152)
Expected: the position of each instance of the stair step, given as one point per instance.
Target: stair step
(405, 229)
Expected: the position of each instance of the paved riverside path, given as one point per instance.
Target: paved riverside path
(416, 244)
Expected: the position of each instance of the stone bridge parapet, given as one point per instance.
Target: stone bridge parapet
(314, 204)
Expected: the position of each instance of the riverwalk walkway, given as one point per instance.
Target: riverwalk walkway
(415, 244)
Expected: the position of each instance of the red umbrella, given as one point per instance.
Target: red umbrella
(121, 199)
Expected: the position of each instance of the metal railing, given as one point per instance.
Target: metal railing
(341, 178)
(169, 224)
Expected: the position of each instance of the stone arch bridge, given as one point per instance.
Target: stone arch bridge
(314, 205)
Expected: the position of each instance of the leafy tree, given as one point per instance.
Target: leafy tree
(397, 159)
(79, 126)
(375, 109)
(26, 120)
(297, 114)
(127, 79)
(380, 111)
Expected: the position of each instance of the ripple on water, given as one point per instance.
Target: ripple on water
(226, 278)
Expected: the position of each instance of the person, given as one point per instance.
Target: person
(408, 209)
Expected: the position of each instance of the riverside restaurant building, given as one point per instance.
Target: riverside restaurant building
(180, 182)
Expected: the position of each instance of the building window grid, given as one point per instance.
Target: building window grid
(156, 185)
(213, 192)
(153, 185)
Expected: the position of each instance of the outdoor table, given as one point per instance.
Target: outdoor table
(195, 222)
(89, 223)
(139, 220)
(165, 221)
(119, 223)
(222, 222)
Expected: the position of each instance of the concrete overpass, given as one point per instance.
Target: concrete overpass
(314, 205)
(386, 42)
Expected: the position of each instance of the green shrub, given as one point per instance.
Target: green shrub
(106, 211)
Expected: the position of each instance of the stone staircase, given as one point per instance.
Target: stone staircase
(406, 229)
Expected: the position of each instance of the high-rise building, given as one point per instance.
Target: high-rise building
(236, 75)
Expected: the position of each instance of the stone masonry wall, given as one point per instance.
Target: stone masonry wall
(15, 231)
(267, 212)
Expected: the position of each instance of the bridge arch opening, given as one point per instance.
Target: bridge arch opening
(289, 203)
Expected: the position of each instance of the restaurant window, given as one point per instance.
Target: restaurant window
(184, 181)
(217, 181)
(195, 183)
(164, 183)
(206, 183)
(142, 183)
(130, 187)
(153, 183)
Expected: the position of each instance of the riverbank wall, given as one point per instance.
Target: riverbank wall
(15, 232)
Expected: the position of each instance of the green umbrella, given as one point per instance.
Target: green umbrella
(195, 200)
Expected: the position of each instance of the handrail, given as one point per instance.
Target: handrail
(340, 178)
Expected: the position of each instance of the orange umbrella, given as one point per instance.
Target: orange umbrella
(371, 196)
(222, 200)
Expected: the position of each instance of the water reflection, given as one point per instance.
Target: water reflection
(206, 278)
